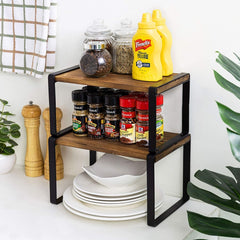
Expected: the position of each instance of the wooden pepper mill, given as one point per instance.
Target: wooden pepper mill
(59, 160)
(33, 159)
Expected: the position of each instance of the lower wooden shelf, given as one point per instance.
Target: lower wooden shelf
(118, 148)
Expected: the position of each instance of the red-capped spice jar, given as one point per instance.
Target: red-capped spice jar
(128, 120)
(142, 125)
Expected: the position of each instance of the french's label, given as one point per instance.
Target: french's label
(142, 44)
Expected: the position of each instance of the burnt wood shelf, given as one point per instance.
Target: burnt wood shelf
(152, 154)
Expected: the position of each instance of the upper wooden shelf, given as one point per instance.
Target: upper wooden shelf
(120, 81)
(119, 148)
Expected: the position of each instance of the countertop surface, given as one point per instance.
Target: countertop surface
(27, 214)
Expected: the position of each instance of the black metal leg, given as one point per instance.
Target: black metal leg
(92, 157)
(151, 220)
(52, 172)
(185, 107)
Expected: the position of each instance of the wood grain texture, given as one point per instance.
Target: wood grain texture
(116, 147)
(120, 81)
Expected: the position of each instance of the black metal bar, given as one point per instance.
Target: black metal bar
(65, 70)
(52, 172)
(186, 168)
(185, 107)
(64, 131)
(92, 157)
(150, 189)
(52, 104)
(152, 119)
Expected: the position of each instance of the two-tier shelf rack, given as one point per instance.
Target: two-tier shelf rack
(152, 154)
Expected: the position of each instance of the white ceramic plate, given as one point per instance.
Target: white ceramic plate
(111, 212)
(115, 171)
(106, 198)
(108, 203)
(86, 184)
(104, 218)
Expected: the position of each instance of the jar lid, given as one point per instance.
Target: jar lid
(126, 29)
(127, 101)
(98, 29)
(94, 45)
(137, 94)
(79, 95)
(94, 98)
(90, 88)
(121, 92)
(105, 90)
(111, 100)
(142, 103)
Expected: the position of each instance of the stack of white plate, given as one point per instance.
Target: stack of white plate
(88, 198)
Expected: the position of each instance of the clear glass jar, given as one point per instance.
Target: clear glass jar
(95, 116)
(99, 32)
(128, 120)
(96, 61)
(122, 48)
(80, 113)
(112, 118)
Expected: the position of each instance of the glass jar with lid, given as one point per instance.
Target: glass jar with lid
(99, 32)
(96, 61)
(122, 48)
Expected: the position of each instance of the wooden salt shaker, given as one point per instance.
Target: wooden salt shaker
(59, 160)
(33, 159)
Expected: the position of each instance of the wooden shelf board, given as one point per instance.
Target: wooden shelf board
(116, 147)
(120, 81)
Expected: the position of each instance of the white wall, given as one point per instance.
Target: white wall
(199, 28)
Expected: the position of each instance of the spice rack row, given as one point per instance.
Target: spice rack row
(152, 154)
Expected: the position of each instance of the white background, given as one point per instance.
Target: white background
(199, 28)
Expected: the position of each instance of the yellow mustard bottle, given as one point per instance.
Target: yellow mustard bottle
(166, 60)
(147, 45)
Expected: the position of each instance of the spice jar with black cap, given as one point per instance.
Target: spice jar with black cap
(80, 113)
(90, 88)
(112, 117)
(96, 61)
(95, 116)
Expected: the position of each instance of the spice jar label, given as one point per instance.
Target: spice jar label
(79, 124)
(159, 129)
(128, 114)
(96, 110)
(95, 127)
(112, 129)
(80, 107)
(127, 133)
(142, 134)
(143, 117)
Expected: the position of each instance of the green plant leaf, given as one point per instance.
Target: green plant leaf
(4, 102)
(5, 122)
(222, 182)
(6, 113)
(229, 65)
(213, 226)
(237, 56)
(8, 151)
(4, 130)
(3, 138)
(2, 146)
(12, 142)
(231, 118)
(14, 127)
(234, 140)
(208, 197)
(227, 85)
(15, 134)
(236, 174)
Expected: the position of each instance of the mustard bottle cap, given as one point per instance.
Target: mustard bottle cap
(157, 17)
(146, 21)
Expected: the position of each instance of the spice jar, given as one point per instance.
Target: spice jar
(112, 118)
(128, 120)
(142, 125)
(95, 116)
(99, 32)
(80, 113)
(121, 92)
(104, 91)
(90, 89)
(122, 48)
(96, 61)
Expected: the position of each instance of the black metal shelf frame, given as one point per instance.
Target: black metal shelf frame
(151, 157)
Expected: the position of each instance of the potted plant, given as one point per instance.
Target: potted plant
(8, 131)
(226, 184)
